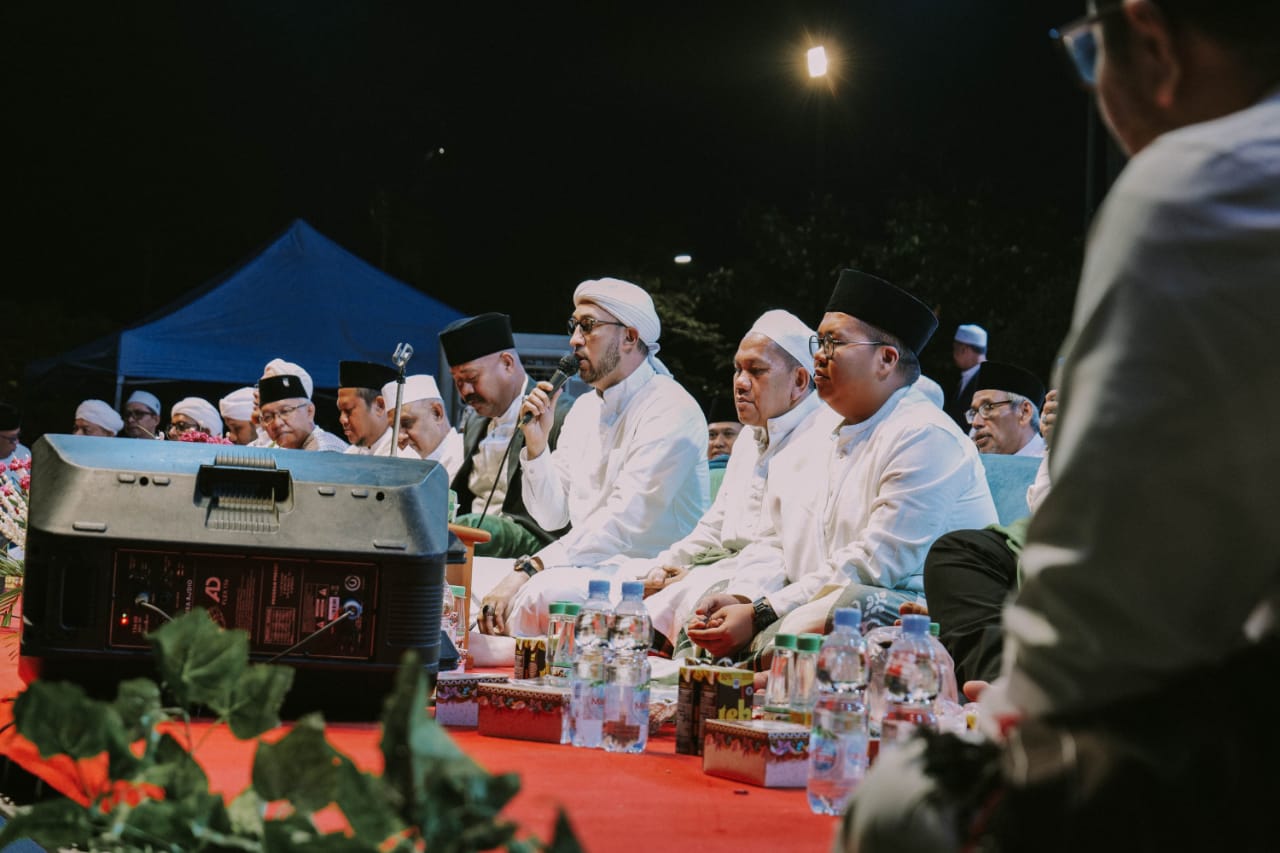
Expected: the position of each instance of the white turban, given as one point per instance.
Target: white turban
(631, 305)
(420, 386)
(280, 367)
(146, 398)
(99, 413)
(789, 332)
(238, 405)
(200, 411)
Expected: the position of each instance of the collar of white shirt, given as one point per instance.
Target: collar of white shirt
(614, 400)
(777, 429)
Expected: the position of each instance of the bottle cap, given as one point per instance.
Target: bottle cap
(934, 628)
(784, 641)
(458, 591)
(571, 609)
(809, 642)
(915, 624)
(556, 608)
(849, 617)
(633, 589)
(598, 588)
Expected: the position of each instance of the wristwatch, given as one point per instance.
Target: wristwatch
(529, 565)
(762, 614)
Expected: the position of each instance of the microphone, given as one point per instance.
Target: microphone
(567, 367)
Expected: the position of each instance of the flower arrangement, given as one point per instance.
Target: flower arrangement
(203, 437)
(15, 489)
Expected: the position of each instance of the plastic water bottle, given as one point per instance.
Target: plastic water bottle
(626, 704)
(560, 624)
(838, 739)
(451, 614)
(587, 680)
(912, 681)
(804, 678)
(777, 691)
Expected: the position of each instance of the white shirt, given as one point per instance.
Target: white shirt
(486, 465)
(321, 439)
(864, 504)
(1155, 552)
(737, 516)
(629, 472)
(1034, 447)
(449, 453)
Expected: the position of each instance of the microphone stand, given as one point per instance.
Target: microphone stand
(399, 358)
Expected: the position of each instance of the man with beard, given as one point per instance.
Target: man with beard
(425, 432)
(630, 473)
(491, 380)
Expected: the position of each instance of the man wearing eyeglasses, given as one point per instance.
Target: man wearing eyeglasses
(1004, 415)
(855, 517)
(1145, 625)
(194, 414)
(288, 415)
(142, 416)
(630, 472)
(492, 381)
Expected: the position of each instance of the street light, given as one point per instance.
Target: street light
(683, 259)
(817, 59)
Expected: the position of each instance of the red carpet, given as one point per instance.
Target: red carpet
(655, 801)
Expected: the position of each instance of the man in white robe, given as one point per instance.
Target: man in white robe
(425, 432)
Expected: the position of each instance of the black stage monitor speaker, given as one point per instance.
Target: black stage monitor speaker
(280, 543)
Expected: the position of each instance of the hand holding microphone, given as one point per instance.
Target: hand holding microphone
(540, 402)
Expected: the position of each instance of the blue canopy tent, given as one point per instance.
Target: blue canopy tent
(303, 298)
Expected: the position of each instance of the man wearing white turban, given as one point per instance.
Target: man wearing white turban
(94, 417)
(237, 414)
(773, 395)
(424, 427)
(194, 414)
(629, 472)
(141, 416)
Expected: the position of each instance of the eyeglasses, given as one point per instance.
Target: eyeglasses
(138, 414)
(1080, 46)
(986, 410)
(588, 325)
(183, 426)
(267, 418)
(828, 345)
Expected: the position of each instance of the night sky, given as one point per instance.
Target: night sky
(152, 146)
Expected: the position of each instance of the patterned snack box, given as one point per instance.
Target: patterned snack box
(715, 692)
(760, 752)
(531, 657)
(525, 710)
(457, 695)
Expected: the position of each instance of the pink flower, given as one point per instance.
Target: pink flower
(199, 437)
(25, 482)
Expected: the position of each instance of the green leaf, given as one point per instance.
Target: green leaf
(59, 718)
(246, 813)
(302, 767)
(138, 704)
(563, 839)
(363, 799)
(256, 699)
(295, 834)
(199, 661)
(52, 825)
(175, 771)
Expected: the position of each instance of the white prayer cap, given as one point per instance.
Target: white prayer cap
(420, 386)
(238, 405)
(626, 301)
(200, 411)
(974, 336)
(789, 332)
(280, 367)
(146, 398)
(101, 414)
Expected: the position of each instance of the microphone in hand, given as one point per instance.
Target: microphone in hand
(566, 368)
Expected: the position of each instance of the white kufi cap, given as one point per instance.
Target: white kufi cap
(280, 367)
(98, 412)
(420, 386)
(789, 332)
(974, 336)
(146, 398)
(238, 405)
(202, 412)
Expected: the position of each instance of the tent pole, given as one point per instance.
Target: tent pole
(119, 389)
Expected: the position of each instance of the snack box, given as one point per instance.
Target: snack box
(709, 692)
(526, 709)
(457, 696)
(768, 753)
(531, 657)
